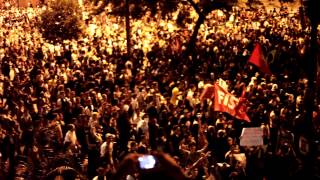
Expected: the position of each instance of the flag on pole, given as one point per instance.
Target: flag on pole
(241, 107)
(175, 45)
(258, 59)
(208, 89)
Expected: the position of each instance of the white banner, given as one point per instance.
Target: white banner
(251, 137)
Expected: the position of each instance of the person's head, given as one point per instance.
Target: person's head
(110, 137)
(95, 115)
(193, 146)
(188, 124)
(133, 146)
(235, 148)
(78, 101)
(112, 122)
(230, 141)
(176, 130)
(101, 171)
(71, 127)
(61, 94)
(221, 133)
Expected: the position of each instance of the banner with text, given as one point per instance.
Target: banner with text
(227, 102)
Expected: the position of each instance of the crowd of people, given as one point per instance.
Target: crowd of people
(81, 106)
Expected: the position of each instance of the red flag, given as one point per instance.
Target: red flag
(241, 107)
(175, 45)
(243, 93)
(227, 102)
(257, 58)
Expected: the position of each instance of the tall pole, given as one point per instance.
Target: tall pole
(312, 72)
(312, 12)
(128, 28)
(302, 15)
(312, 63)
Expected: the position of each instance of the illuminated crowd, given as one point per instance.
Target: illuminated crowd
(83, 104)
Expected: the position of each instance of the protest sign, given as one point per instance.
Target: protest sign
(251, 137)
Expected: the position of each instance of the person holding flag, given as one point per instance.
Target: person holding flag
(224, 101)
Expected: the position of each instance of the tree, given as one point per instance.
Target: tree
(61, 21)
(203, 8)
(136, 9)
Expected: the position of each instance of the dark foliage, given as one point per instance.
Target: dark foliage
(139, 7)
(312, 7)
(61, 21)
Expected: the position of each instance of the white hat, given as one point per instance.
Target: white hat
(200, 85)
(274, 87)
(126, 107)
(109, 135)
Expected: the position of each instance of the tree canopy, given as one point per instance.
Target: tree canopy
(138, 7)
(62, 20)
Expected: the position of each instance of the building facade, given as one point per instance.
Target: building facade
(20, 3)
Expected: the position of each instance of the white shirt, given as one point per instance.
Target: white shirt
(71, 137)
